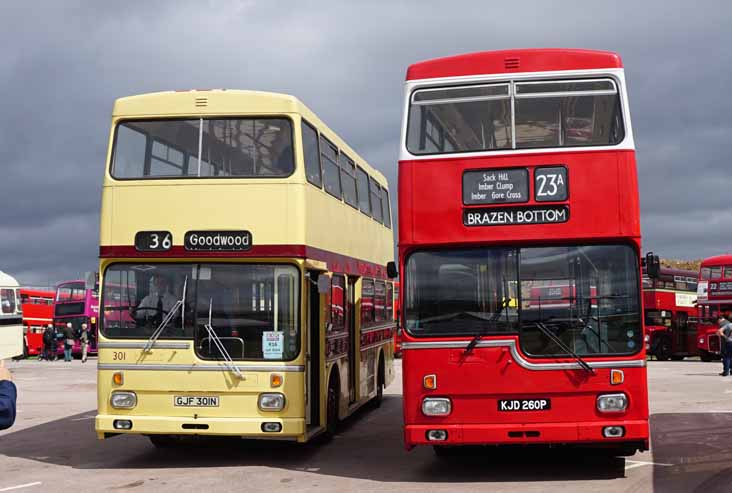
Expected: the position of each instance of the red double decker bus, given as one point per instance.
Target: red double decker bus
(669, 308)
(714, 298)
(37, 306)
(517, 170)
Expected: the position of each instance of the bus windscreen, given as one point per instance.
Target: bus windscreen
(203, 148)
(251, 309)
(594, 309)
(536, 114)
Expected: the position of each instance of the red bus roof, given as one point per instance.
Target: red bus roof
(40, 293)
(512, 61)
(725, 259)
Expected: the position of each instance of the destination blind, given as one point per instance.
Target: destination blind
(515, 216)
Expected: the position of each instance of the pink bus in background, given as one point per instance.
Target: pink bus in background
(76, 304)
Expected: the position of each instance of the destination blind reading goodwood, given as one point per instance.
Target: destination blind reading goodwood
(506, 186)
(218, 240)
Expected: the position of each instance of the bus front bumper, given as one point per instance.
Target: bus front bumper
(582, 433)
(292, 428)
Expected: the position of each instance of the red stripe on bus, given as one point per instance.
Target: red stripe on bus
(334, 261)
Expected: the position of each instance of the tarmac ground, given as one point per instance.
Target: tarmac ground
(53, 447)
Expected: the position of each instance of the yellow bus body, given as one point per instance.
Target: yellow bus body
(294, 223)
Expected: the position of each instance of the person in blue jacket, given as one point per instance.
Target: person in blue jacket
(8, 394)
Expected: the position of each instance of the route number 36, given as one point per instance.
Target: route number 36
(153, 241)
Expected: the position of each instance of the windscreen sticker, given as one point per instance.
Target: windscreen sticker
(272, 344)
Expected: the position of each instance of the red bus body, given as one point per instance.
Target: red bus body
(37, 305)
(603, 207)
(669, 303)
(714, 297)
(398, 332)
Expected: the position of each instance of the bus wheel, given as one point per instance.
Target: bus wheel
(380, 379)
(164, 441)
(331, 425)
(663, 350)
(705, 356)
(445, 451)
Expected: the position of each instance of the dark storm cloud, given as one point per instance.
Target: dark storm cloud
(64, 64)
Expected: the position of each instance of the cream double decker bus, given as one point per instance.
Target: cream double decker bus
(244, 251)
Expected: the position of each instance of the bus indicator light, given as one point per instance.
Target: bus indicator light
(430, 382)
(616, 377)
(118, 378)
(275, 380)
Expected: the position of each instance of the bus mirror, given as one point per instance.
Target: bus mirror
(391, 270)
(653, 265)
(90, 280)
(323, 284)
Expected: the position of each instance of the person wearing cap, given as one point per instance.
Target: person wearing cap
(725, 333)
(8, 396)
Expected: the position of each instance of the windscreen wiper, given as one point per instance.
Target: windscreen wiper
(166, 320)
(491, 323)
(213, 336)
(547, 332)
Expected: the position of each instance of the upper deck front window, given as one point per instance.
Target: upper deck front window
(198, 148)
(515, 115)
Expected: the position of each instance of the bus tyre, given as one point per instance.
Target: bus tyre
(331, 425)
(164, 441)
(663, 349)
(380, 379)
(705, 356)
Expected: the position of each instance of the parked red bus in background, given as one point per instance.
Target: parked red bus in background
(76, 304)
(714, 297)
(37, 306)
(518, 168)
(669, 304)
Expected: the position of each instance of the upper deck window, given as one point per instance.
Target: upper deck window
(542, 114)
(196, 148)
(329, 163)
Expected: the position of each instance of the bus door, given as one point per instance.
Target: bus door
(685, 332)
(353, 344)
(313, 352)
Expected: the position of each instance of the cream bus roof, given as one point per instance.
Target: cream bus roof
(7, 280)
(228, 102)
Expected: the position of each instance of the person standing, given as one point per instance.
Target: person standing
(68, 341)
(8, 396)
(49, 344)
(84, 339)
(725, 332)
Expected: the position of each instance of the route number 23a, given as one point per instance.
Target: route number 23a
(551, 186)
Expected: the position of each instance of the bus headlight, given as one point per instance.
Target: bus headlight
(701, 340)
(436, 406)
(123, 400)
(612, 403)
(271, 402)
(647, 338)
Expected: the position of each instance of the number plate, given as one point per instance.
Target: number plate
(524, 404)
(196, 401)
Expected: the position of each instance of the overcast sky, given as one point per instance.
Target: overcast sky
(62, 67)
